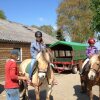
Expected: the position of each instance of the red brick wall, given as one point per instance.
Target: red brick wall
(5, 48)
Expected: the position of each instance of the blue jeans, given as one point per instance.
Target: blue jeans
(32, 67)
(12, 94)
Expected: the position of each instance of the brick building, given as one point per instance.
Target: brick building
(18, 36)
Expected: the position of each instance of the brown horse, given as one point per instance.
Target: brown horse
(42, 73)
(91, 77)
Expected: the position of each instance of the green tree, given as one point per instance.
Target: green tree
(35, 26)
(59, 35)
(95, 6)
(76, 16)
(2, 15)
(48, 29)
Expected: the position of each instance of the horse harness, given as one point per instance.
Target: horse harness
(95, 68)
(42, 71)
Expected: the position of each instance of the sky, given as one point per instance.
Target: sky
(31, 12)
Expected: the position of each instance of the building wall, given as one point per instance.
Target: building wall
(5, 48)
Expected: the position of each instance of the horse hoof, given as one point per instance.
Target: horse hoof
(55, 83)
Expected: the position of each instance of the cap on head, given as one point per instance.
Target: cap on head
(14, 52)
(91, 41)
(38, 34)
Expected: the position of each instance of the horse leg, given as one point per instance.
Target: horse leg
(91, 95)
(24, 91)
(49, 90)
(83, 84)
(99, 92)
(89, 92)
(37, 92)
(26, 95)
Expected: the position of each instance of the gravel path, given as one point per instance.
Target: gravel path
(68, 88)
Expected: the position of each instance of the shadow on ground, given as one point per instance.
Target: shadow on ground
(82, 96)
(1, 88)
(42, 95)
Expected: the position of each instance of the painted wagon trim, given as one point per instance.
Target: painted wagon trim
(74, 45)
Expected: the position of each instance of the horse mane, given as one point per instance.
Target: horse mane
(95, 58)
(44, 55)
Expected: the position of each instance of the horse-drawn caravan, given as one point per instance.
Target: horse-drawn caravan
(68, 55)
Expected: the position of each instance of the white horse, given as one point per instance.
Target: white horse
(94, 74)
(91, 77)
(94, 66)
(42, 73)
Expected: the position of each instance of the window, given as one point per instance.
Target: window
(56, 53)
(61, 53)
(68, 53)
(20, 54)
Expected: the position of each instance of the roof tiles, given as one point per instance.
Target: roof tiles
(11, 31)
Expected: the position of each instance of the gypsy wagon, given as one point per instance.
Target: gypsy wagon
(68, 55)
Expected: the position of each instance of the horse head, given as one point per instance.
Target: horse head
(43, 58)
(94, 66)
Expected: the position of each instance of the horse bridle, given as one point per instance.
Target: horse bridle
(94, 69)
(42, 71)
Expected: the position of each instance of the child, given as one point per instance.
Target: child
(91, 50)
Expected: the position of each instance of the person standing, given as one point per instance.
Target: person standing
(12, 77)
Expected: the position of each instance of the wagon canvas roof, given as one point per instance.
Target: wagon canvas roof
(16, 32)
(61, 45)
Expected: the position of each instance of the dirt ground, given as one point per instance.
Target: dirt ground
(68, 88)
